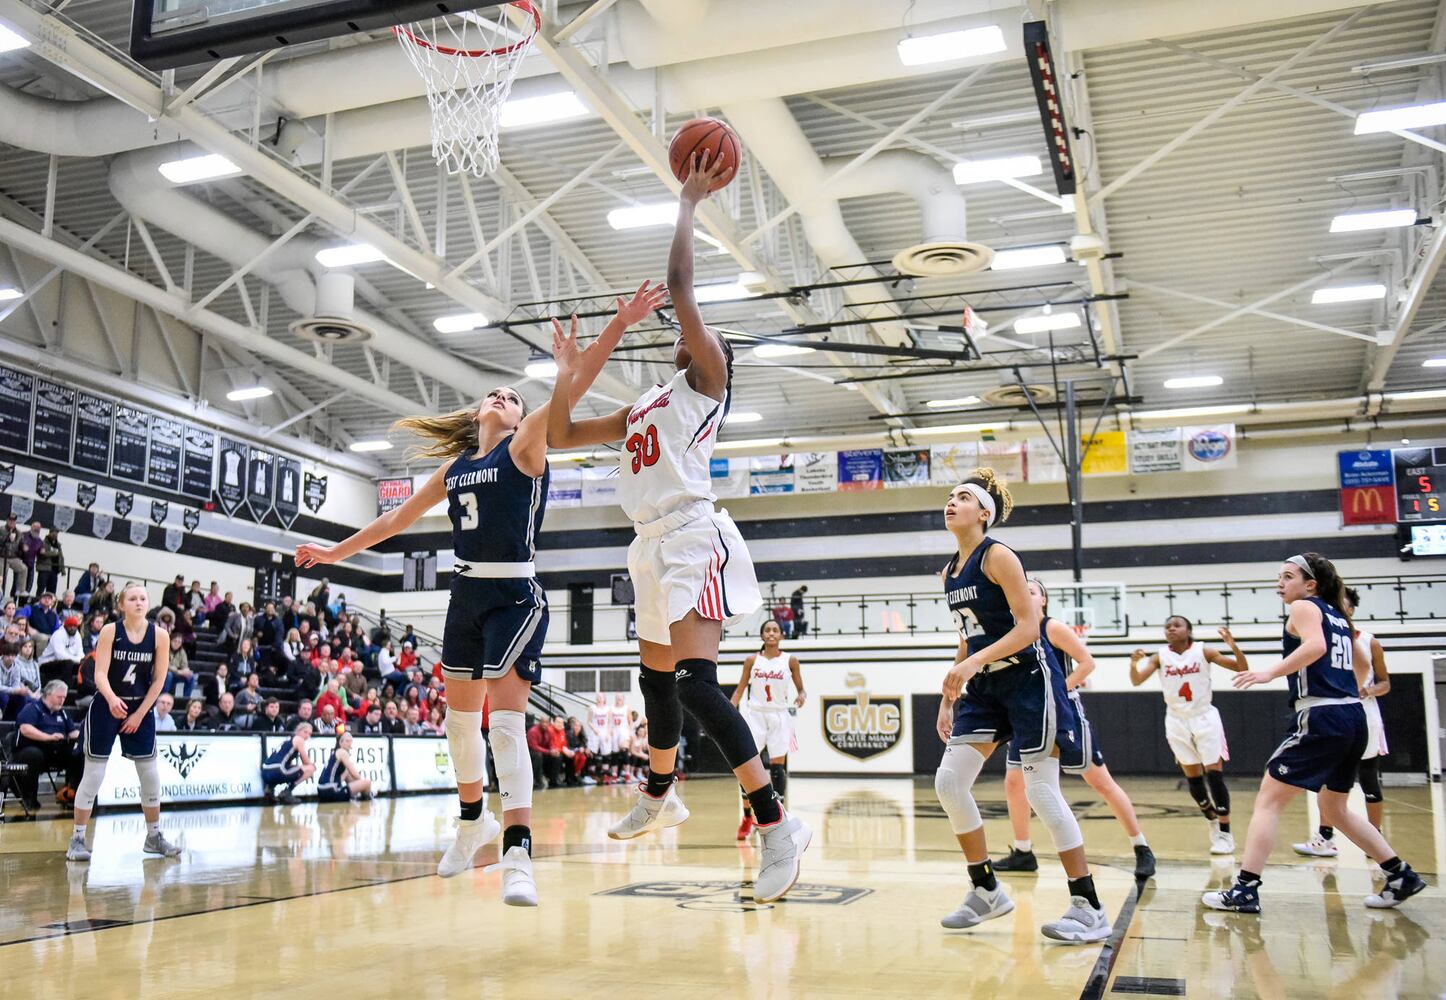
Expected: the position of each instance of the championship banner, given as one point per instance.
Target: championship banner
(770, 474)
(231, 481)
(288, 490)
(392, 493)
(729, 477)
(54, 428)
(1209, 448)
(1156, 449)
(950, 464)
(94, 426)
(815, 472)
(1368, 487)
(906, 467)
(17, 394)
(164, 470)
(198, 464)
(132, 442)
(1104, 454)
(194, 768)
(260, 483)
(423, 764)
(313, 492)
(861, 470)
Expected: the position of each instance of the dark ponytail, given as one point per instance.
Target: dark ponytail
(728, 385)
(1329, 586)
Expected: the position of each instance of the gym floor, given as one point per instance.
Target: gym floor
(271, 900)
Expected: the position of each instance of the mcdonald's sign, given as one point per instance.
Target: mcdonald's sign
(1368, 505)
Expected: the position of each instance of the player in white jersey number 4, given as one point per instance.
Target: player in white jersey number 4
(1192, 724)
(689, 565)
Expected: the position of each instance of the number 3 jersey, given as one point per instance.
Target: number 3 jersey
(495, 508)
(668, 450)
(1186, 679)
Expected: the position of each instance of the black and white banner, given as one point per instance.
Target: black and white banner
(132, 439)
(231, 478)
(314, 492)
(100, 524)
(125, 503)
(63, 519)
(260, 472)
(94, 420)
(7, 475)
(22, 508)
(17, 395)
(194, 768)
(45, 485)
(159, 510)
(85, 494)
(54, 421)
(191, 518)
(139, 532)
(173, 539)
(164, 470)
(199, 465)
(288, 490)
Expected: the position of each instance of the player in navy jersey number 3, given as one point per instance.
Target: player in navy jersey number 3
(494, 480)
(1000, 690)
(689, 566)
(1322, 753)
(131, 660)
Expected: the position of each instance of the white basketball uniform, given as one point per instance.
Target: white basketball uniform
(622, 729)
(600, 738)
(766, 705)
(1375, 725)
(687, 556)
(1192, 724)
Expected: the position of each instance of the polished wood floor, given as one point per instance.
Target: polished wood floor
(342, 900)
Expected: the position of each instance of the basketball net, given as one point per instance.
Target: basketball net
(468, 63)
(975, 324)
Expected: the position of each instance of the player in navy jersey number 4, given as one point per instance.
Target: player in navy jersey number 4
(494, 480)
(689, 566)
(131, 660)
(1000, 690)
(1322, 753)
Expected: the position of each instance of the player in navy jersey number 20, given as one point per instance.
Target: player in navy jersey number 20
(1322, 753)
(1000, 690)
(494, 480)
(689, 566)
(131, 660)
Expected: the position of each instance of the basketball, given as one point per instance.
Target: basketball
(705, 135)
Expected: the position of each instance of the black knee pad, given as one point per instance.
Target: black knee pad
(1369, 775)
(699, 692)
(779, 775)
(1198, 792)
(1219, 792)
(660, 702)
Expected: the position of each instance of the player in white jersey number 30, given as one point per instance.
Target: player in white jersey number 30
(688, 562)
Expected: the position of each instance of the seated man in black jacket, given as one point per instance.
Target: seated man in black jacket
(269, 719)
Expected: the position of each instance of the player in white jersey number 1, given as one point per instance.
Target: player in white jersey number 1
(1192, 724)
(768, 710)
(690, 568)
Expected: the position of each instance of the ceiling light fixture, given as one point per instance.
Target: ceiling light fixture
(1347, 293)
(1045, 322)
(10, 40)
(1191, 411)
(541, 368)
(996, 169)
(459, 322)
(1397, 119)
(1434, 362)
(10, 294)
(780, 350)
(920, 50)
(349, 255)
(663, 213)
(945, 404)
(723, 292)
(254, 392)
(1194, 382)
(1356, 222)
(744, 417)
(190, 169)
(371, 446)
(1042, 256)
(1417, 394)
(522, 112)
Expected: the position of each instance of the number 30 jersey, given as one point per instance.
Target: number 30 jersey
(667, 450)
(495, 508)
(1186, 679)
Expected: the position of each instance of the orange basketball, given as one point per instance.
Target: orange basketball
(705, 135)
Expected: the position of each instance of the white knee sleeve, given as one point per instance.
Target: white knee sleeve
(508, 736)
(150, 777)
(953, 783)
(465, 743)
(90, 783)
(1041, 785)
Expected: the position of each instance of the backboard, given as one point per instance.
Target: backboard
(169, 33)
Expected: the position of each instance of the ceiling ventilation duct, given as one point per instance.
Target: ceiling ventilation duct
(332, 321)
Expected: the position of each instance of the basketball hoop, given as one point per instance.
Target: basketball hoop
(468, 63)
(974, 324)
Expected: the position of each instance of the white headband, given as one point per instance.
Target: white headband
(982, 495)
(1303, 565)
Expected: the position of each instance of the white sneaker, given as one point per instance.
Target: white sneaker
(1221, 842)
(76, 850)
(157, 844)
(649, 814)
(783, 845)
(1081, 924)
(1317, 847)
(472, 835)
(980, 905)
(518, 886)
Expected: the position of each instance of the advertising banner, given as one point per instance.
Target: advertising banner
(423, 763)
(195, 767)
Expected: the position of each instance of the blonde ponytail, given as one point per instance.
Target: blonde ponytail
(448, 435)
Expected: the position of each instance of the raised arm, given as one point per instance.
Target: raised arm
(1236, 661)
(391, 523)
(743, 680)
(562, 430)
(708, 373)
(1152, 663)
(1064, 638)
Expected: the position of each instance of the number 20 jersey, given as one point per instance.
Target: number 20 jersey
(667, 450)
(1186, 679)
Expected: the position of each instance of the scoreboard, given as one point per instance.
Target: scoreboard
(1420, 483)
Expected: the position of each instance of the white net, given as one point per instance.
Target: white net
(469, 62)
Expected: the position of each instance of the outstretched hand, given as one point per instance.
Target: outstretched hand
(565, 351)
(1250, 678)
(308, 555)
(647, 298)
(701, 176)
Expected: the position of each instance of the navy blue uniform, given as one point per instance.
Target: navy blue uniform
(1330, 732)
(1011, 700)
(1077, 747)
(495, 623)
(282, 767)
(331, 783)
(132, 665)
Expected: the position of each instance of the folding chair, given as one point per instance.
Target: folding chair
(10, 772)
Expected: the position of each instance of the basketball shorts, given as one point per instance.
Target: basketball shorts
(1375, 730)
(772, 729)
(1078, 750)
(1016, 705)
(493, 626)
(1324, 750)
(602, 744)
(693, 559)
(1197, 738)
(102, 729)
(281, 774)
(333, 793)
